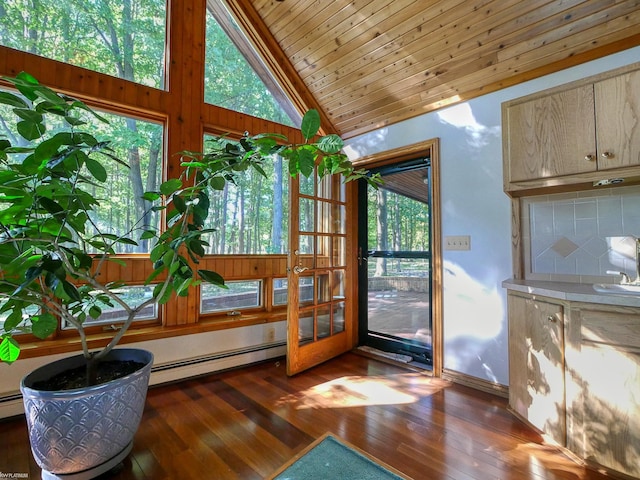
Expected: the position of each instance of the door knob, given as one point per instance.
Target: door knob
(298, 269)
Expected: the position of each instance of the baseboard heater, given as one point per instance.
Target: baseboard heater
(217, 356)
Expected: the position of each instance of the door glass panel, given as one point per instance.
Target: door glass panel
(324, 321)
(305, 245)
(324, 251)
(338, 285)
(324, 288)
(305, 288)
(332, 187)
(339, 245)
(305, 330)
(306, 215)
(338, 317)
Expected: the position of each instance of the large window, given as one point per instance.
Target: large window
(235, 77)
(138, 143)
(251, 214)
(122, 38)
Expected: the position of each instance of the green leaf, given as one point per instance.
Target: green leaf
(179, 203)
(147, 234)
(306, 162)
(30, 130)
(43, 325)
(170, 186)
(212, 277)
(151, 196)
(28, 114)
(217, 183)
(95, 312)
(13, 100)
(96, 169)
(157, 252)
(330, 144)
(72, 291)
(9, 350)
(310, 124)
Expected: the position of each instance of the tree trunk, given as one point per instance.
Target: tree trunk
(382, 232)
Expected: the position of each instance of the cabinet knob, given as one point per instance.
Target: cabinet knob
(589, 157)
(607, 155)
(552, 318)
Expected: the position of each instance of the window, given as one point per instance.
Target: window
(139, 144)
(236, 78)
(132, 296)
(251, 217)
(237, 296)
(281, 294)
(122, 38)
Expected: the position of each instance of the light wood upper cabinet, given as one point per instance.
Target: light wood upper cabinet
(551, 136)
(617, 106)
(578, 133)
(536, 363)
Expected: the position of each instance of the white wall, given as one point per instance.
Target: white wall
(475, 323)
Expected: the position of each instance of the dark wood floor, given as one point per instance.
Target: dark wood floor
(245, 424)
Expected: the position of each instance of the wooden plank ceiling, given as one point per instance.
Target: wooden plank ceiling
(371, 63)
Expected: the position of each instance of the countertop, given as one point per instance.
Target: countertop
(574, 292)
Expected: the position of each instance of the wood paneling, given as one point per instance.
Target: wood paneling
(370, 63)
(246, 423)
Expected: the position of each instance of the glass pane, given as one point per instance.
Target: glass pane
(305, 289)
(132, 296)
(323, 256)
(306, 185)
(281, 292)
(305, 245)
(238, 295)
(332, 188)
(118, 38)
(235, 77)
(306, 330)
(138, 143)
(338, 317)
(306, 215)
(339, 251)
(324, 288)
(252, 216)
(338, 287)
(331, 217)
(324, 321)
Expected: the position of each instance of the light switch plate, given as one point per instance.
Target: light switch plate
(457, 242)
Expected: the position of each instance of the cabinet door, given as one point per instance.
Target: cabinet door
(551, 136)
(617, 103)
(536, 364)
(608, 407)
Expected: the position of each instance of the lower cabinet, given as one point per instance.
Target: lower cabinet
(603, 386)
(536, 363)
(574, 373)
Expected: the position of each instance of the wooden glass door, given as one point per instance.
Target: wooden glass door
(319, 318)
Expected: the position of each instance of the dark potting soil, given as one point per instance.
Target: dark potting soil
(77, 377)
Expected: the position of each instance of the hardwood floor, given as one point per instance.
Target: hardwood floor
(245, 424)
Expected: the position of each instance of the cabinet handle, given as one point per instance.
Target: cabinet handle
(589, 157)
(607, 155)
(552, 318)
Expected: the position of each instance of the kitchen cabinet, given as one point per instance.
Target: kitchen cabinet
(603, 386)
(579, 133)
(536, 363)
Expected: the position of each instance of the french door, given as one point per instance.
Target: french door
(319, 312)
(395, 281)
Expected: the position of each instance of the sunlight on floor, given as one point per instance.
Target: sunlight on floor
(540, 460)
(358, 391)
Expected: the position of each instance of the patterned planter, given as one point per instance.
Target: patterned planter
(85, 429)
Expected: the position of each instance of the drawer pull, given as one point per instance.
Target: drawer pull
(589, 157)
(552, 318)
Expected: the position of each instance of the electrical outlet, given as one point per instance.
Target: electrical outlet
(457, 242)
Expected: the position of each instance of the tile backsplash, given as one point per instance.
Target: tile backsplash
(577, 237)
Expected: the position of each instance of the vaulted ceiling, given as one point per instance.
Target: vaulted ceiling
(371, 63)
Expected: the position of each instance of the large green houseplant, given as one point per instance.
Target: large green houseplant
(52, 250)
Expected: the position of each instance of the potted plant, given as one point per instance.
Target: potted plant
(52, 252)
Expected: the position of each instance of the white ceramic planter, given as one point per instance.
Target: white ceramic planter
(83, 432)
